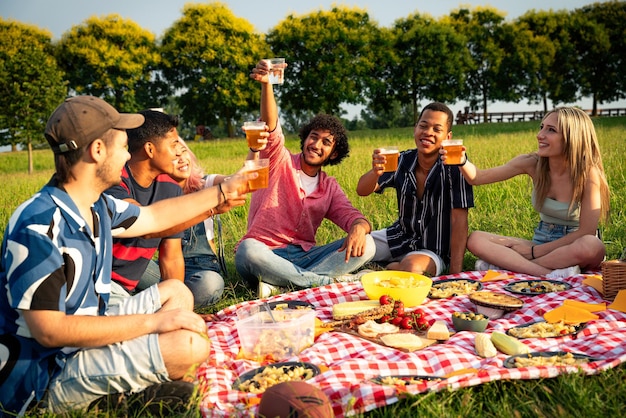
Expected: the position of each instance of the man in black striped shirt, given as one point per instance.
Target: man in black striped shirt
(431, 231)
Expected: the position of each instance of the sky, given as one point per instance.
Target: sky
(58, 16)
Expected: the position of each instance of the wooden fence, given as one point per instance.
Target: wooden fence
(471, 117)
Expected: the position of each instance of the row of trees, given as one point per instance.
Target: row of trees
(199, 67)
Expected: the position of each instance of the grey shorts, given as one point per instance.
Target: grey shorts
(129, 366)
(384, 254)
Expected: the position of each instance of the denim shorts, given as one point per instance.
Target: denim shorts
(128, 366)
(547, 232)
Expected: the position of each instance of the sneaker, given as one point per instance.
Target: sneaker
(265, 290)
(482, 265)
(563, 273)
(163, 399)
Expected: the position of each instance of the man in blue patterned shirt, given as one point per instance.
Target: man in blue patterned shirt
(61, 346)
(430, 234)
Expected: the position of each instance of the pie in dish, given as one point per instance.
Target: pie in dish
(496, 300)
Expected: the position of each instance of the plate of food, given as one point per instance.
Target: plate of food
(258, 380)
(536, 287)
(547, 358)
(290, 304)
(405, 380)
(447, 288)
(543, 329)
(493, 304)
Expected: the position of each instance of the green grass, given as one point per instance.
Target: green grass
(502, 208)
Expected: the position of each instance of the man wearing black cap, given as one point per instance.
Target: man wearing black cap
(58, 349)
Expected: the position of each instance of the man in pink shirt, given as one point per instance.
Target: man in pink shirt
(279, 248)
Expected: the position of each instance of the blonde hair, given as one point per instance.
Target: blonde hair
(195, 181)
(582, 155)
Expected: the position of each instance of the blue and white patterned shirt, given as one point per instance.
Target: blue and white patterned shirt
(424, 223)
(51, 261)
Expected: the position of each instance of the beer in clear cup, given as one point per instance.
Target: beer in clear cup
(391, 158)
(454, 151)
(253, 131)
(262, 167)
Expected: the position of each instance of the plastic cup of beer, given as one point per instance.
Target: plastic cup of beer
(261, 166)
(454, 151)
(253, 131)
(277, 70)
(391, 158)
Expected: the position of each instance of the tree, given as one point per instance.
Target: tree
(331, 56)
(431, 62)
(208, 55)
(111, 58)
(31, 84)
(485, 32)
(600, 37)
(550, 72)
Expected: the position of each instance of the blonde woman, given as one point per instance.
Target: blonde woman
(570, 192)
(204, 264)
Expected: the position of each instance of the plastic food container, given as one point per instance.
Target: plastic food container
(411, 288)
(277, 337)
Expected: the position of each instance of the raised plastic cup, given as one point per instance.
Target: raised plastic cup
(391, 158)
(454, 151)
(261, 166)
(253, 131)
(277, 70)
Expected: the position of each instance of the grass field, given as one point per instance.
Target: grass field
(502, 208)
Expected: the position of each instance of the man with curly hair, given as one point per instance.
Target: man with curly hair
(279, 249)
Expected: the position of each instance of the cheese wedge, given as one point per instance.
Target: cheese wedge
(493, 276)
(619, 304)
(595, 282)
(569, 315)
(591, 307)
(438, 331)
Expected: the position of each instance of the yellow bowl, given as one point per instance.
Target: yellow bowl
(411, 288)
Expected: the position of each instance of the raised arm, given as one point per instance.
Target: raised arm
(269, 109)
(522, 164)
(368, 183)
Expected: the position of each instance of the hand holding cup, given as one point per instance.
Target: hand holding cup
(452, 152)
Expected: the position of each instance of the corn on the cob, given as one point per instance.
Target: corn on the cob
(484, 346)
(507, 344)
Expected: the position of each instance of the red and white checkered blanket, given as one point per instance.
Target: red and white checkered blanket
(349, 362)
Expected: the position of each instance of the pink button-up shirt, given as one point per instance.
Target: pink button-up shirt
(282, 214)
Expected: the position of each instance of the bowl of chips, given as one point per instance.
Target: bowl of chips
(410, 288)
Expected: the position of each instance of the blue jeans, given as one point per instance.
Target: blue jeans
(547, 232)
(293, 266)
(206, 285)
(202, 270)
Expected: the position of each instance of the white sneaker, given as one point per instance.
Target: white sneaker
(355, 277)
(482, 265)
(266, 290)
(563, 273)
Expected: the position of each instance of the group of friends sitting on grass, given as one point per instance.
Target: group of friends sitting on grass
(88, 320)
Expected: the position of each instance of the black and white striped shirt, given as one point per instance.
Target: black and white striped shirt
(425, 223)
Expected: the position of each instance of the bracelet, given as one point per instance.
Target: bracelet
(254, 150)
(219, 186)
(532, 252)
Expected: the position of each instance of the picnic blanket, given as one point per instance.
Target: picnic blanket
(349, 363)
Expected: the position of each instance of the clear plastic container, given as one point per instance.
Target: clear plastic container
(279, 336)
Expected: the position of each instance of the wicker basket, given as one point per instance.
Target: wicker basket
(613, 278)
